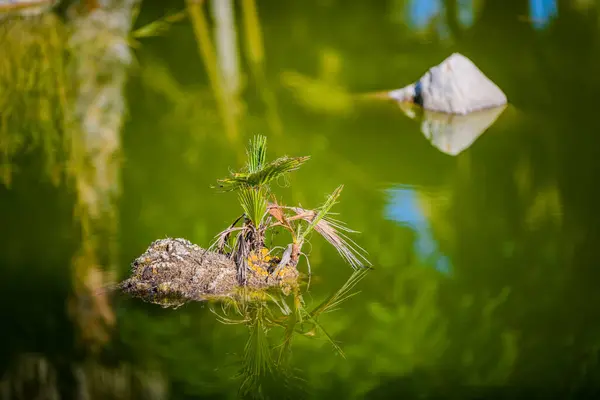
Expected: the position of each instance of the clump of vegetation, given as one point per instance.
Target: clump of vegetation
(239, 264)
(262, 213)
(172, 272)
(256, 286)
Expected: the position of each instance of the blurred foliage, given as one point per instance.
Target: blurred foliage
(33, 92)
(516, 212)
(408, 318)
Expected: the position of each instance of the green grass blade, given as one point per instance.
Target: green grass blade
(254, 204)
(257, 153)
(263, 176)
(323, 210)
(275, 169)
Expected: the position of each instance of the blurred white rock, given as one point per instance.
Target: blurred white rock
(456, 86)
(452, 134)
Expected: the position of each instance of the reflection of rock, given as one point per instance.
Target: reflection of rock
(452, 134)
(456, 86)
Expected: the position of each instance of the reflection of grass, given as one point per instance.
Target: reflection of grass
(32, 89)
(154, 28)
(205, 48)
(317, 95)
(228, 103)
(323, 94)
(261, 370)
(255, 53)
(265, 374)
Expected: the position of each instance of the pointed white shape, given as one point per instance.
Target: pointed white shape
(452, 134)
(456, 86)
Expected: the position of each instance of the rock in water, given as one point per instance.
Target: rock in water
(172, 272)
(456, 86)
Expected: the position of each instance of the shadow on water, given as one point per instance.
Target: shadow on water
(511, 212)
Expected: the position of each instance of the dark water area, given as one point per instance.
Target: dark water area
(484, 246)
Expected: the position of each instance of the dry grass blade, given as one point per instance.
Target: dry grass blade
(323, 210)
(285, 258)
(223, 237)
(333, 231)
(348, 249)
(277, 212)
(240, 257)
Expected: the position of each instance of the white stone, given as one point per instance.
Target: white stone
(456, 86)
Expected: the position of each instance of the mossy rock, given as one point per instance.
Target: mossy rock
(172, 272)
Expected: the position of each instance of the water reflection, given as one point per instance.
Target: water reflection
(519, 220)
(405, 206)
(542, 12)
(69, 97)
(426, 13)
(453, 134)
(466, 13)
(422, 14)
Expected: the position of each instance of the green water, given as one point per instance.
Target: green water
(485, 263)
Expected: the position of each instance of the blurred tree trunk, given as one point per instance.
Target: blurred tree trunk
(100, 57)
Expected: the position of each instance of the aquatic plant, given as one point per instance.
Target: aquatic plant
(239, 258)
(266, 370)
(262, 213)
(244, 281)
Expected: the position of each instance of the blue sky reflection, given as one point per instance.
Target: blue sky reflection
(404, 208)
(421, 13)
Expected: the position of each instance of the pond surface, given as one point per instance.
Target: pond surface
(484, 246)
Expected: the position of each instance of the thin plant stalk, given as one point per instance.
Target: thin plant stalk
(225, 34)
(207, 52)
(255, 53)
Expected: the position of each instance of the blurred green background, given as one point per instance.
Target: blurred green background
(486, 263)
